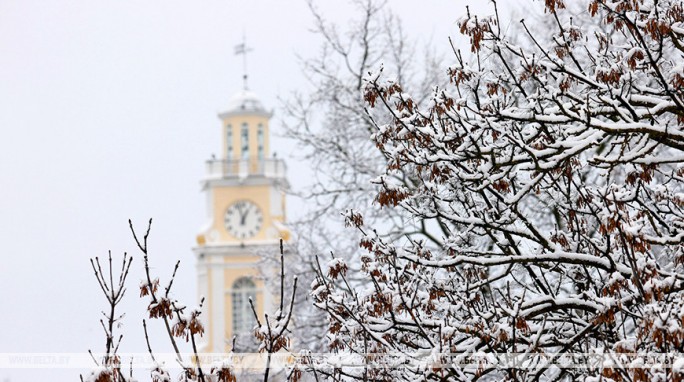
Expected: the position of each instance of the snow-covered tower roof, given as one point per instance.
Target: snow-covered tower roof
(245, 102)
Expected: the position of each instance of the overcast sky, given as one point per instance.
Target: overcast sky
(107, 112)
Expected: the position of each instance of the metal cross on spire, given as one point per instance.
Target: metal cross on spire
(243, 49)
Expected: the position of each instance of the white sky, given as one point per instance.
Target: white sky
(108, 112)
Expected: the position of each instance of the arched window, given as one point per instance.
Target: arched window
(243, 318)
(244, 141)
(260, 141)
(229, 142)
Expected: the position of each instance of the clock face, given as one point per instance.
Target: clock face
(243, 219)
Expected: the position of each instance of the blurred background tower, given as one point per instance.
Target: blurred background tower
(246, 211)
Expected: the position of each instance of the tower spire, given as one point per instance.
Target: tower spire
(243, 49)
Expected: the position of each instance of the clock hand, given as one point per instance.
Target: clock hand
(243, 217)
(240, 209)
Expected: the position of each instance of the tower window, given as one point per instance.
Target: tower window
(244, 141)
(260, 141)
(229, 142)
(243, 318)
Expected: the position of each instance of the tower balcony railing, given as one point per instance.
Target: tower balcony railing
(242, 168)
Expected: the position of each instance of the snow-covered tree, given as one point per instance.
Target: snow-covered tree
(327, 121)
(552, 168)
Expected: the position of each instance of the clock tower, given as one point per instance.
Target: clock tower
(244, 188)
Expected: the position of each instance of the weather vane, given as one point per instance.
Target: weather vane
(243, 49)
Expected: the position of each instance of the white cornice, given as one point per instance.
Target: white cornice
(234, 249)
(228, 265)
(247, 181)
(249, 113)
